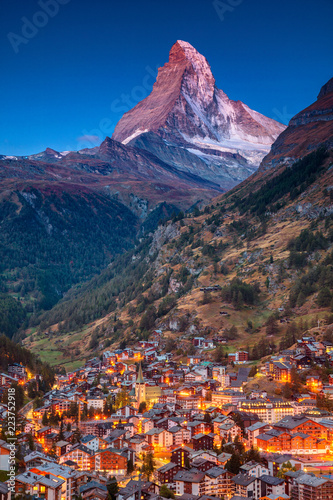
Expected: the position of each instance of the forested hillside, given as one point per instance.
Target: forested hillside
(49, 243)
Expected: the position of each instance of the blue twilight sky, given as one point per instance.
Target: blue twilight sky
(77, 72)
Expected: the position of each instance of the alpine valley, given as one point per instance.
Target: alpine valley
(199, 216)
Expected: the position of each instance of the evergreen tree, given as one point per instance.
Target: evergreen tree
(130, 466)
(45, 419)
(61, 433)
(148, 465)
(112, 488)
(142, 407)
(233, 464)
(122, 398)
(165, 492)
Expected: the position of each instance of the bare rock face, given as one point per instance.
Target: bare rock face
(190, 123)
(309, 129)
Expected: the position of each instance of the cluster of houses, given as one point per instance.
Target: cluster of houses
(131, 402)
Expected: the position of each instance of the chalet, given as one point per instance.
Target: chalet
(109, 358)
(296, 435)
(190, 482)
(180, 435)
(54, 472)
(167, 472)
(51, 439)
(150, 355)
(218, 482)
(206, 454)
(93, 491)
(202, 464)
(116, 438)
(180, 456)
(198, 341)
(270, 485)
(80, 454)
(245, 486)
(314, 383)
(253, 432)
(197, 427)
(111, 460)
(238, 357)
(208, 344)
(42, 433)
(229, 430)
(308, 486)
(7, 380)
(159, 438)
(253, 469)
(91, 442)
(203, 441)
(35, 485)
(36, 458)
(194, 360)
(126, 411)
(193, 377)
(62, 447)
(281, 371)
(17, 371)
(303, 424)
(301, 361)
(132, 489)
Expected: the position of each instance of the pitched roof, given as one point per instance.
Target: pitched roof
(167, 467)
(272, 480)
(216, 471)
(189, 476)
(243, 479)
(140, 379)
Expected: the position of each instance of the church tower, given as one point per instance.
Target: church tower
(140, 387)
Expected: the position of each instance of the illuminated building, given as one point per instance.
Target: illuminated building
(35, 485)
(238, 357)
(191, 482)
(203, 442)
(270, 411)
(111, 461)
(144, 392)
(56, 472)
(159, 438)
(222, 398)
(311, 488)
(296, 435)
(313, 383)
(83, 456)
(167, 472)
(181, 455)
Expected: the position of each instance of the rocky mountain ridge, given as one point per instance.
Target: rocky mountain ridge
(220, 139)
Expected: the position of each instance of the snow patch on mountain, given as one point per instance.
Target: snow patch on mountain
(135, 134)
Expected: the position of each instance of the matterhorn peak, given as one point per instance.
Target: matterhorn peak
(186, 109)
(184, 51)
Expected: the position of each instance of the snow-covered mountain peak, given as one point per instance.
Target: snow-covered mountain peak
(186, 110)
